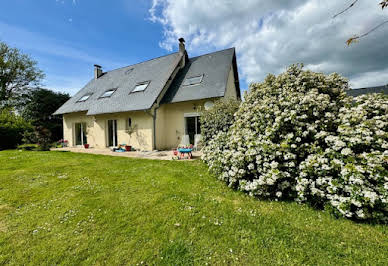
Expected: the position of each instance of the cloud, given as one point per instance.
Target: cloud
(270, 35)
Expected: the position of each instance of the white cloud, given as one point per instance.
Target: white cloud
(270, 35)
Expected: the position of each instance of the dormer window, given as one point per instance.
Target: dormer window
(84, 98)
(141, 86)
(193, 80)
(108, 93)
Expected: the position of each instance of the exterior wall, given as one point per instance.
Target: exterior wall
(68, 126)
(141, 139)
(170, 126)
(170, 118)
(97, 125)
(231, 86)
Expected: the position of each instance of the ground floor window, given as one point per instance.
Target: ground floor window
(112, 133)
(193, 127)
(80, 134)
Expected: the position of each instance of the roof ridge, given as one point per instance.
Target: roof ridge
(231, 48)
(141, 62)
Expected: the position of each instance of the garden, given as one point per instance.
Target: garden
(71, 208)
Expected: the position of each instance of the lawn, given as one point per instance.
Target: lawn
(68, 208)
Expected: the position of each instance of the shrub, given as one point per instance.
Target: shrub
(43, 136)
(12, 128)
(218, 118)
(351, 175)
(275, 128)
(298, 136)
(28, 147)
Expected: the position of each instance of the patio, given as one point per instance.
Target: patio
(154, 155)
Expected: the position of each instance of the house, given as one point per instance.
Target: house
(154, 104)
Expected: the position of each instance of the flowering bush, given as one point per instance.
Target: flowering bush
(292, 137)
(351, 175)
(218, 118)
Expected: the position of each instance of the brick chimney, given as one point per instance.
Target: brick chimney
(97, 71)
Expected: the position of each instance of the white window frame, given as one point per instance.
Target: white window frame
(190, 83)
(112, 90)
(141, 84)
(88, 96)
(82, 134)
(114, 129)
(197, 116)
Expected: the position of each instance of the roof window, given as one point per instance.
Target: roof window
(108, 93)
(193, 80)
(84, 98)
(141, 86)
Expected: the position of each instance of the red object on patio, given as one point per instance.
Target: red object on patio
(86, 146)
(128, 148)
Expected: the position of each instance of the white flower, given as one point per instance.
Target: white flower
(346, 151)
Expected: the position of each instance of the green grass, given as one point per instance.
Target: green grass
(67, 208)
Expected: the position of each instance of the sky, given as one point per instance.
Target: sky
(67, 37)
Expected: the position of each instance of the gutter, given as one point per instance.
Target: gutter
(153, 125)
(167, 84)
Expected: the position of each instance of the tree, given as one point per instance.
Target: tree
(12, 129)
(18, 74)
(217, 119)
(39, 109)
(383, 3)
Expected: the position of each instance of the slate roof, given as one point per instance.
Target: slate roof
(157, 71)
(361, 91)
(215, 69)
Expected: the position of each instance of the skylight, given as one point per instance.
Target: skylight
(84, 98)
(193, 80)
(108, 93)
(141, 86)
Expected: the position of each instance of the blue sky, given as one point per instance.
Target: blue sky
(67, 37)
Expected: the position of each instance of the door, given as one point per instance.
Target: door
(80, 134)
(193, 127)
(112, 133)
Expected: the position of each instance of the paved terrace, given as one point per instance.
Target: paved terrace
(155, 155)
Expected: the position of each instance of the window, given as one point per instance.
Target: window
(84, 98)
(141, 86)
(129, 122)
(192, 127)
(80, 134)
(108, 93)
(193, 80)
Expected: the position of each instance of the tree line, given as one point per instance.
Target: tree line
(25, 107)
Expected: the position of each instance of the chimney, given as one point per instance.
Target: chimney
(182, 48)
(97, 71)
(182, 51)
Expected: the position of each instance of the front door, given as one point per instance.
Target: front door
(112, 133)
(80, 134)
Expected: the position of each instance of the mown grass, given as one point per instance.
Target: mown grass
(67, 208)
